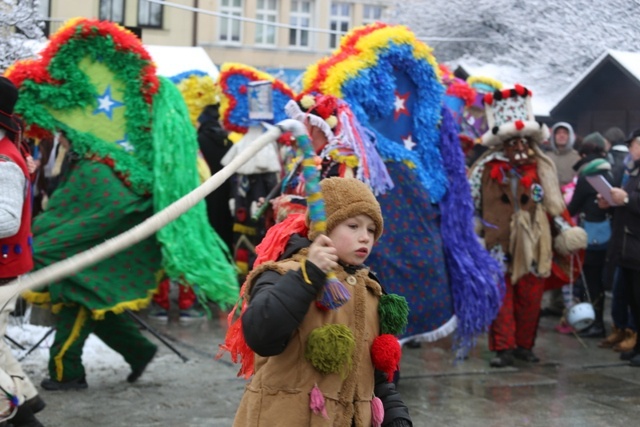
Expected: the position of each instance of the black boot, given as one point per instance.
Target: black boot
(53, 385)
(526, 355)
(25, 418)
(503, 359)
(628, 355)
(596, 330)
(36, 404)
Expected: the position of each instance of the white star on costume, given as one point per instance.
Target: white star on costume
(399, 105)
(408, 142)
(106, 104)
(125, 144)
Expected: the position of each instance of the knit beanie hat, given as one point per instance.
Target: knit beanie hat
(346, 198)
(596, 139)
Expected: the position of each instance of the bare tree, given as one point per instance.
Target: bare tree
(20, 30)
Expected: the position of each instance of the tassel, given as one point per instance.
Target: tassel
(316, 402)
(335, 294)
(377, 412)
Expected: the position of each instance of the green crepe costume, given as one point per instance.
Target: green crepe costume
(90, 206)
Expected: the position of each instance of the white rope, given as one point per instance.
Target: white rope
(151, 225)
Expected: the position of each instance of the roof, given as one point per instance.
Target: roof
(173, 60)
(628, 62)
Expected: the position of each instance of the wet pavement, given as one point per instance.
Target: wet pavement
(575, 384)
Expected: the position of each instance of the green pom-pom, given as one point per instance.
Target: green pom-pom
(394, 312)
(330, 349)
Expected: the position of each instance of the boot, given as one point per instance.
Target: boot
(616, 336)
(629, 342)
(503, 358)
(525, 354)
(596, 330)
(25, 418)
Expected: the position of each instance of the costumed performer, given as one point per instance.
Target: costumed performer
(133, 153)
(429, 253)
(522, 218)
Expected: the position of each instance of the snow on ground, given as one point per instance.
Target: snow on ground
(97, 357)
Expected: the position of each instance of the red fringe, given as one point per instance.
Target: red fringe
(270, 249)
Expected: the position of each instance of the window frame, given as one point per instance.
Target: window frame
(233, 11)
(262, 30)
(124, 10)
(365, 20)
(299, 15)
(338, 20)
(150, 5)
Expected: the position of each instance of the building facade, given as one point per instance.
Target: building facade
(233, 30)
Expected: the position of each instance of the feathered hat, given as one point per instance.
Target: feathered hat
(509, 114)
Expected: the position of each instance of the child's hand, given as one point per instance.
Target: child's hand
(323, 254)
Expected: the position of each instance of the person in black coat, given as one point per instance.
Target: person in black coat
(584, 203)
(214, 144)
(625, 239)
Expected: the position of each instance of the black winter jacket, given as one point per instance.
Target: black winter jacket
(625, 248)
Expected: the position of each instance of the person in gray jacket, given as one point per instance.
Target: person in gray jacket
(562, 153)
(564, 156)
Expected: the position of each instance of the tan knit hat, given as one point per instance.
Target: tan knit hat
(346, 198)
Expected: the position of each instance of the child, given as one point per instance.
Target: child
(320, 366)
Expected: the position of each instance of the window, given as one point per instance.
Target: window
(230, 28)
(300, 19)
(112, 10)
(267, 11)
(149, 14)
(371, 14)
(339, 21)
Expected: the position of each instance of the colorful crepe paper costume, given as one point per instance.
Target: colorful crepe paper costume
(521, 217)
(458, 98)
(134, 153)
(429, 252)
(256, 178)
(313, 365)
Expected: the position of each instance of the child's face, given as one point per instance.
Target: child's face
(353, 239)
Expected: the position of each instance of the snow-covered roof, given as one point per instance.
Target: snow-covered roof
(173, 60)
(170, 60)
(630, 61)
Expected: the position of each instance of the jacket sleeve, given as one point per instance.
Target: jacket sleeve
(277, 306)
(12, 186)
(580, 197)
(634, 202)
(396, 413)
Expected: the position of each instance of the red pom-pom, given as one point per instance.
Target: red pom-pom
(386, 354)
(326, 106)
(520, 90)
(496, 173)
(488, 99)
(506, 93)
(519, 124)
(242, 89)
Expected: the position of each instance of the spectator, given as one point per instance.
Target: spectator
(214, 144)
(617, 153)
(15, 241)
(626, 233)
(564, 156)
(584, 204)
